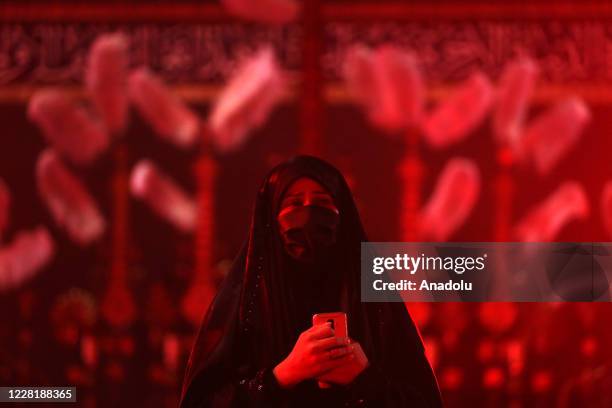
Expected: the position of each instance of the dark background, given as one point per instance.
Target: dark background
(484, 354)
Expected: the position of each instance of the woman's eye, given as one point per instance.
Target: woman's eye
(323, 201)
(292, 203)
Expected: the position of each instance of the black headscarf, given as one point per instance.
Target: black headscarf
(266, 302)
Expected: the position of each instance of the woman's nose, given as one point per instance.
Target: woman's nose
(308, 199)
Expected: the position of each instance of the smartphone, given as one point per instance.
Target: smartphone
(338, 322)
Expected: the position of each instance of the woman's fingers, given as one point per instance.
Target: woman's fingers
(331, 362)
(320, 331)
(340, 351)
(329, 343)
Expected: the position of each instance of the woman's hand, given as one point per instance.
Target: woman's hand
(350, 369)
(316, 352)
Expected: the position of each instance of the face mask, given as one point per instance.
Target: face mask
(308, 231)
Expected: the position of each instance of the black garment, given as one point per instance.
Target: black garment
(267, 300)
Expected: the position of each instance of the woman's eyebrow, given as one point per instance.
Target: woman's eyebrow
(301, 193)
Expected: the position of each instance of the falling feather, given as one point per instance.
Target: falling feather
(388, 85)
(550, 136)
(516, 86)
(68, 201)
(68, 126)
(460, 113)
(106, 79)
(544, 222)
(247, 100)
(163, 195)
(452, 200)
(169, 117)
(29, 252)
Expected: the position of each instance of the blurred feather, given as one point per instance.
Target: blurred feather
(388, 84)
(67, 199)
(29, 252)
(516, 86)
(163, 195)
(359, 74)
(66, 125)
(455, 195)
(169, 117)
(106, 79)
(551, 135)
(264, 11)
(544, 222)
(460, 113)
(247, 100)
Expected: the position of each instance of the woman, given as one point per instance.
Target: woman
(257, 346)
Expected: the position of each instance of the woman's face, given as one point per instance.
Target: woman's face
(306, 192)
(308, 219)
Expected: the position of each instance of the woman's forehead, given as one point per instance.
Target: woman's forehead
(304, 185)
